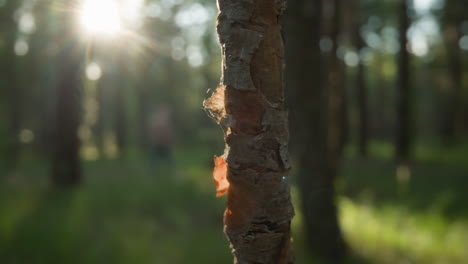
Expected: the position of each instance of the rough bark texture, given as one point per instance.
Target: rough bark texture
(249, 105)
(66, 171)
(309, 106)
(403, 133)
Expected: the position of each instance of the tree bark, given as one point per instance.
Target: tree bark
(66, 171)
(249, 105)
(309, 102)
(403, 133)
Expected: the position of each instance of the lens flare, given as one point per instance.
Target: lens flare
(100, 17)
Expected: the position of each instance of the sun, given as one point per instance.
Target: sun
(101, 17)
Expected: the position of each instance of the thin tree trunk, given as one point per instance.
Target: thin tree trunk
(120, 105)
(100, 126)
(380, 120)
(361, 87)
(14, 110)
(362, 104)
(249, 105)
(144, 111)
(334, 84)
(66, 171)
(403, 132)
(12, 88)
(309, 106)
(452, 116)
(120, 117)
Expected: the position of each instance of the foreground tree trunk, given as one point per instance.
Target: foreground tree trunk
(249, 105)
(66, 171)
(309, 106)
(403, 132)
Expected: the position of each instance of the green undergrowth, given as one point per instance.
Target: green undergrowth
(128, 211)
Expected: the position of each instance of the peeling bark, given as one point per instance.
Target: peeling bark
(249, 106)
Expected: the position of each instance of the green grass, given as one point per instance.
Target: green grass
(127, 213)
(393, 234)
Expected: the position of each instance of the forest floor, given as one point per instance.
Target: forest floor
(127, 213)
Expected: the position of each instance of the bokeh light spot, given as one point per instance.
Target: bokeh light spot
(93, 71)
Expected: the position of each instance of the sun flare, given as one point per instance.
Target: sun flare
(100, 17)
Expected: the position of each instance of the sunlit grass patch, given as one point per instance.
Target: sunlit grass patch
(392, 234)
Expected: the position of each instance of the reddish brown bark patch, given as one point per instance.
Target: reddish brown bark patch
(246, 109)
(220, 176)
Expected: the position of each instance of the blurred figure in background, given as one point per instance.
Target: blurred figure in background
(161, 136)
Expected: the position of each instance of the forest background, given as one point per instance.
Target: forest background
(399, 151)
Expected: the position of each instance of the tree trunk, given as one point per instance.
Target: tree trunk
(452, 117)
(120, 113)
(11, 88)
(14, 112)
(362, 104)
(361, 87)
(403, 133)
(249, 105)
(143, 110)
(335, 85)
(66, 171)
(309, 106)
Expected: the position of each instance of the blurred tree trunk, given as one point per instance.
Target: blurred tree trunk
(120, 106)
(12, 89)
(144, 111)
(334, 83)
(249, 105)
(403, 132)
(120, 120)
(452, 116)
(452, 123)
(14, 109)
(66, 171)
(99, 127)
(309, 104)
(361, 86)
(45, 79)
(380, 120)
